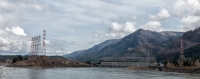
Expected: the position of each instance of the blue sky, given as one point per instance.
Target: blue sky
(79, 24)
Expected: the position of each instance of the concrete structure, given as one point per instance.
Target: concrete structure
(127, 61)
(124, 64)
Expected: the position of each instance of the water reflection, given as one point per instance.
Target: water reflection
(97, 73)
(36, 73)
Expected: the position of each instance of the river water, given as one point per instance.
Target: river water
(92, 73)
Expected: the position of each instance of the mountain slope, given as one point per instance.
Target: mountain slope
(139, 41)
(171, 33)
(191, 41)
(139, 37)
(78, 54)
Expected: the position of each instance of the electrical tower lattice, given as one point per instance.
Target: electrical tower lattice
(35, 48)
(44, 44)
(182, 57)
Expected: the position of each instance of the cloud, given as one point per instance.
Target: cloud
(153, 26)
(117, 30)
(189, 12)
(16, 12)
(13, 44)
(196, 12)
(16, 30)
(162, 15)
(190, 19)
(120, 30)
(11, 6)
(191, 22)
(182, 7)
(114, 31)
(115, 27)
(128, 27)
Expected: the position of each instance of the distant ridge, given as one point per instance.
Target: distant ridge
(139, 42)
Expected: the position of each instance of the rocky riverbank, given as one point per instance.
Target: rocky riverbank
(46, 62)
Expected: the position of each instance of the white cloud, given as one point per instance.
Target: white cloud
(162, 15)
(120, 30)
(115, 27)
(15, 44)
(190, 13)
(19, 11)
(22, 4)
(128, 27)
(182, 7)
(191, 22)
(153, 26)
(116, 30)
(16, 30)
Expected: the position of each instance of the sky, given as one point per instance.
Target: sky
(73, 25)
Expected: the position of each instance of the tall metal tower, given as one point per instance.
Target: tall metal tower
(44, 44)
(35, 48)
(31, 48)
(182, 57)
(38, 44)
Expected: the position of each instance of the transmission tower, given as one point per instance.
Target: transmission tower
(182, 57)
(35, 46)
(31, 48)
(44, 44)
(38, 44)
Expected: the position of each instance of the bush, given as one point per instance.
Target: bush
(14, 60)
(19, 58)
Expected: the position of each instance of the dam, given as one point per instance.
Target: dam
(127, 61)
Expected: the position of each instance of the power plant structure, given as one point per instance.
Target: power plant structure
(36, 45)
(126, 61)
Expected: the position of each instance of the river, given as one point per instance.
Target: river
(92, 73)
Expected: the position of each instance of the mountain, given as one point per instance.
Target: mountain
(163, 45)
(191, 40)
(141, 41)
(96, 48)
(139, 37)
(171, 33)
